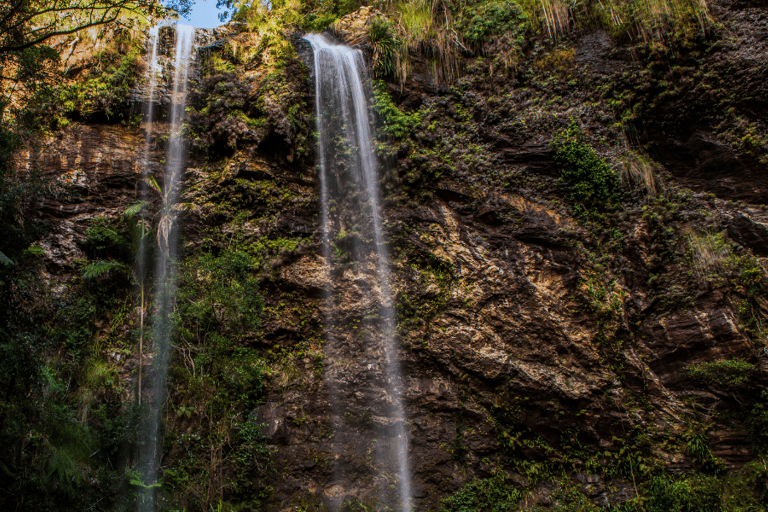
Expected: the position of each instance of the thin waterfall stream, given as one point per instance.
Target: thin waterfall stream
(141, 256)
(167, 253)
(351, 210)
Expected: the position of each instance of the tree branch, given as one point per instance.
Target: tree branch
(45, 37)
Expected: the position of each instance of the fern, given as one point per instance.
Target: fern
(5, 260)
(135, 478)
(134, 209)
(101, 268)
(152, 182)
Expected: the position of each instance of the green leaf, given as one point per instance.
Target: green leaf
(101, 268)
(152, 182)
(5, 260)
(134, 209)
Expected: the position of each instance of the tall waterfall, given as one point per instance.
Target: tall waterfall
(351, 210)
(165, 272)
(141, 256)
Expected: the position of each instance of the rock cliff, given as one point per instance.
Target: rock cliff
(566, 350)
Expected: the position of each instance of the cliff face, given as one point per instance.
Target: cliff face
(564, 349)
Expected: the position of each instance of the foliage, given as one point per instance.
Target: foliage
(5, 260)
(668, 495)
(494, 494)
(101, 268)
(218, 294)
(103, 239)
(107, 86)
(385, 45)
(710, 254)
(485, 21)
(632, 20)
(593, 186)
(724, 374)
(647, 21)
(757, 423)
(638, 171)
(217, 382)
(427, 28)
(696, 444)
(397, 123)
(308, 15)
(557, 61)
(31, 23)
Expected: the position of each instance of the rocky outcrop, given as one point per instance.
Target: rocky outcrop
(527, 332)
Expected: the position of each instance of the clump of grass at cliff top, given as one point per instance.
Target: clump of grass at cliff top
(426, 27)
(594, 187)
(307, 15)
(441, 31)
(643, 20)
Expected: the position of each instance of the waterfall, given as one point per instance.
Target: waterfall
(351, 210)
(165, 272)
(141, 256)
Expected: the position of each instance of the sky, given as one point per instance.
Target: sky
(204, 15)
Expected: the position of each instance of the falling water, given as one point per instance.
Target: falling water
(165, 273)
(141, 257)
(350, 203)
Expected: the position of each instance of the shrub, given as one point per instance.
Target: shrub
(104, 240)
(699, 493)
(396, 123)
(481, 23)
(727, 373)
(385, 46)
(594, 186)
(494, 494)
(219, 294)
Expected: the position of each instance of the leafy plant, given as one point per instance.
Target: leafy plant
(485, 21)
(385, 45)
(102, 268)
(397, 123)
(593, 186)
(699, 493)
(103, 240)
(5, 260)
(494, 494)
(725, 374)
(219, 294)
